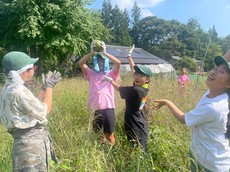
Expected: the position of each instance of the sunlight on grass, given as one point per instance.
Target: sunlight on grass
(78, 148)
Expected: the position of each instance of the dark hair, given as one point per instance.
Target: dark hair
(227, 134)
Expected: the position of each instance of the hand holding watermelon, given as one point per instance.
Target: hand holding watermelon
(103, 47)
(98, 46)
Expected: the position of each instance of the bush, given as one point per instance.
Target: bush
(188, 63)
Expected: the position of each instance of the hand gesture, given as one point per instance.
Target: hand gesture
(92, 45)
(131, 50)
(53, 80)
(107, 78)
(160, 103)
(45, 78)
(103, 47)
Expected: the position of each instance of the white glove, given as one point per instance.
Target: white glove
(45, 78)
(107, 78)
(53, 79)
(131, 50)
(92, 45)
(103, 47)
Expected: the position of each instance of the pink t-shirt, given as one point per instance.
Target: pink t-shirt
(101, 93)
(183, 78)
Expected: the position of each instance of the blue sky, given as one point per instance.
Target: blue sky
(207, 12)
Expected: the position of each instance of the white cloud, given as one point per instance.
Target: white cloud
(146, 12)
(144, 5)
(128, 4)
(148, 3)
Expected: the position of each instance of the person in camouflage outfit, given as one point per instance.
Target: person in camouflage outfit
(24, 115)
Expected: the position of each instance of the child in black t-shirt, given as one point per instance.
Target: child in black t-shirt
(135, 96)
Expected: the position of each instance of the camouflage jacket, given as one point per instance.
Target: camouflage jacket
(19, 108)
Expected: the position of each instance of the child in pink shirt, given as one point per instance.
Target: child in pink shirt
(183, 79)
(101, 93)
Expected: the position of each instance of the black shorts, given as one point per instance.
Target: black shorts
(104, 120)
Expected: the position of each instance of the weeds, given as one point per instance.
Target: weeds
(78, 149)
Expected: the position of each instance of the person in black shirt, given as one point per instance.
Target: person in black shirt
(136, 127)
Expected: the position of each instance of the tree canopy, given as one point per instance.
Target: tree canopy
(49, 29)
(54, 30)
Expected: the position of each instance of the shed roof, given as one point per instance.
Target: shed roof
(176, 57)
(179, 58)
(139, 55)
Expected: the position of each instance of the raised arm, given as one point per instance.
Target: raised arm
(48, 82)
(117, 63)
(83, 60)
(131, 62)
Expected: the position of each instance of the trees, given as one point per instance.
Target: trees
(166, 38)
(225, 43)
(106, 13)
(117, 21)
(49, 29)
(135, 24)
(186, 62)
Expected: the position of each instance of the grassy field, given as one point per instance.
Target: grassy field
(77, 146)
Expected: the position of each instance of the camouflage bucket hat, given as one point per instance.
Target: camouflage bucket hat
(15, 60)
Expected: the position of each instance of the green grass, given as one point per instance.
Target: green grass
(77, 146)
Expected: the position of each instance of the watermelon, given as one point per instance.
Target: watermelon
(97, 47)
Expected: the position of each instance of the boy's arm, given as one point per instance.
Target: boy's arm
(114, 84)
(83, 60)
(117, 63)
(131, 62)
(179, 115)
(48, 99)
(48, 82)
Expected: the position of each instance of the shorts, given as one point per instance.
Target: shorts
(104, 120)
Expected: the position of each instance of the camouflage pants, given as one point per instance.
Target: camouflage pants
(31, 149)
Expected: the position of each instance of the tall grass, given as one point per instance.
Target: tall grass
(78, 148)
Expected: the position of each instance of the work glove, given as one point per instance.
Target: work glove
(92, 45)
(53, 80)
(45, 78)
(107, 78)
(103, 47)
(131, 50)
